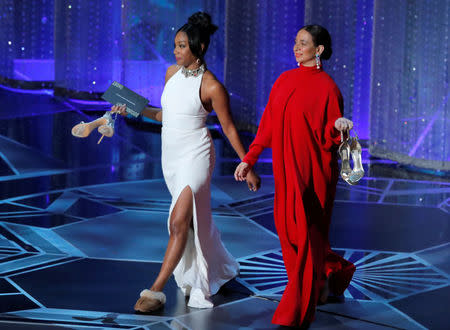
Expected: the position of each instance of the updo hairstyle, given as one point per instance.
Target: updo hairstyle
(199, 29)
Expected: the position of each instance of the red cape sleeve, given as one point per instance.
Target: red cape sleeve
(263, 137)
(329, 135)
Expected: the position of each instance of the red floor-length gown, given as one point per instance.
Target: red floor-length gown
(298, 124)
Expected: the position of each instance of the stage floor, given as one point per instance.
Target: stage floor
(83, 229)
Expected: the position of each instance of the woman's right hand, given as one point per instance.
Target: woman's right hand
(343, 124)
(121, 109)
(241, 171)
(253, 180)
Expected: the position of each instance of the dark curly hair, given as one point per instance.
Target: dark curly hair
(199, 29)
(320, 36)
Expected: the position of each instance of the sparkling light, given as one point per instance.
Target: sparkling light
(403, 78)
(415, 83)
(27, 30)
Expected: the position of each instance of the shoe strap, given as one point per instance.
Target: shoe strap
(342, 136)
(355, 134)
(109, 118)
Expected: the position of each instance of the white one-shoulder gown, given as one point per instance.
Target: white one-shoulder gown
(188, 160)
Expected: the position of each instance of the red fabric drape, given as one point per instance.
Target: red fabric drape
(298, 124)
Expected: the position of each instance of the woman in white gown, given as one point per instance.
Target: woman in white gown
(195, 253)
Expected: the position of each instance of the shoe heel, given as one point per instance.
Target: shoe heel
(344, 153)
(83, 130)
(108, 128)
(358, 169)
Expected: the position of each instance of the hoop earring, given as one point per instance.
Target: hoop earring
(198, 61)
(317, 61)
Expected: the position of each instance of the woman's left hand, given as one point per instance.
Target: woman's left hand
(121, 109)
(241, 171)
(343, 124)
(253, 180)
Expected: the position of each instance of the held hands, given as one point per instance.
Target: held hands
(343, 124)
(253, 181)
(241, 171)
(244, 172)
(121, 109)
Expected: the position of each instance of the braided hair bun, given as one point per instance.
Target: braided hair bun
(199, 29)
(203, 21)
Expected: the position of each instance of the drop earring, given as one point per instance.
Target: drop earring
(298, 63)
(317, 61)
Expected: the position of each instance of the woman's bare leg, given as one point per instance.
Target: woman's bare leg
(180, 223)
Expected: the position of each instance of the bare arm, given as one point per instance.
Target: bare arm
(152, 113)
(221, 104)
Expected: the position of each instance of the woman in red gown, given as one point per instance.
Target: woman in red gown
(302, 124)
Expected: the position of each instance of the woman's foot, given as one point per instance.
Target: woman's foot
(83, 129)
(324, 293)
(150, 301)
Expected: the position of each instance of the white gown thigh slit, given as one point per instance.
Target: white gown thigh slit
(188, 159)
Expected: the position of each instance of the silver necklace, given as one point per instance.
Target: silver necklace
(193, 72)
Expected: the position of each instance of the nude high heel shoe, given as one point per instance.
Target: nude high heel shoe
(83, 129)
(107, 129)
(344, 153)
(358, 170)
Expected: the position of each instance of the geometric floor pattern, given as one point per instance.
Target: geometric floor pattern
(380, 276)
(83, 228)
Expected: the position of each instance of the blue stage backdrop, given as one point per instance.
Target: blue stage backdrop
(410, 117)
(350, 25)
(390, 59)
(128, 41)
(260, 37)
(259, 47)
(26, 38)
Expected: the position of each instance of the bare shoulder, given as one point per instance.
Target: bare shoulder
(171, 70)
(211, 85)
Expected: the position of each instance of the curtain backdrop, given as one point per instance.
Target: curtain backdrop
(390, 58)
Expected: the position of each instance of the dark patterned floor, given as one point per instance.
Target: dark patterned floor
(83, 230)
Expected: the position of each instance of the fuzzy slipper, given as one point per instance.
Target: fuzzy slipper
(150, 301)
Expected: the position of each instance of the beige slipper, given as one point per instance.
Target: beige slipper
(150, 301)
